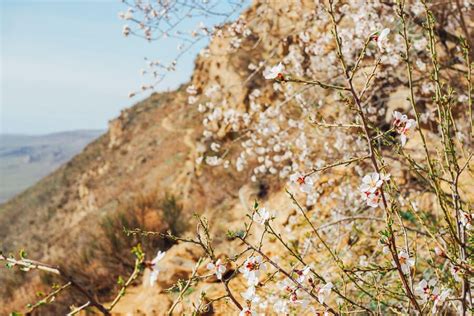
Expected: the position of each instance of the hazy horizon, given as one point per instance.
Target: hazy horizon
(53, 133)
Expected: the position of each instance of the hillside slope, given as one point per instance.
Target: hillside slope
(149, 147)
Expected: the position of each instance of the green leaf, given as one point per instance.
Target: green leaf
(138, 252)
(22, 253)
(408, 216)
(120, 281)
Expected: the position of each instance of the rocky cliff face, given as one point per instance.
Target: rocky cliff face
(149, 147)
(154, 145)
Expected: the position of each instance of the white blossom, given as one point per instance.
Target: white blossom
(261, 216)
(213, 160)
(251, 269)
(215, 147)
(191, 90)
(403, 125)
(371, 183)
(272, 73)
(382, 38)
(302, 274)
(467, 220)
(126, 30)
(405, 261)
(424, 289)
(250, 295)
(323, 292)
(218, 268)
(305, 183)
(456, 272)
(155, 271)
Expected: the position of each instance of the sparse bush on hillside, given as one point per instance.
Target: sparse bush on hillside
(147, 212)
(111, 250)
(172, 214)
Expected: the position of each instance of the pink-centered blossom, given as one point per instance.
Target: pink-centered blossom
(274, 72)
(424, 288)
(403, 125)
(217, 268)
(372, 199)
(439, 252)
(428, 291)
(302, 274)
(381, 38)
(405, 261)
(467, 220)
(405, 132)
(305, 183)
(251, 269)
(399, 119)
(247, 311)
(370, 188)
(438, 300)
(456, 272)
(155, 271)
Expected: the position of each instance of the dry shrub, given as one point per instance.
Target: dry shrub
(99, 266)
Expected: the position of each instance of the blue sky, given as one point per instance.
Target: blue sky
(65, 65)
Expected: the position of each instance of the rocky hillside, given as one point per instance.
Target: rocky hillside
(152, 151)
(150, 147)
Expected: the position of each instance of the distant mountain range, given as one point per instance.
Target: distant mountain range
(26, 159)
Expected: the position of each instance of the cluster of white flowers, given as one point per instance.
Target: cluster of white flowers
(192, 91)
(238, 31)
(429, 292)
(403, 125)
(370, 188)
(274, 140)
(268, 126)
(252, 268)
(268, 143)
